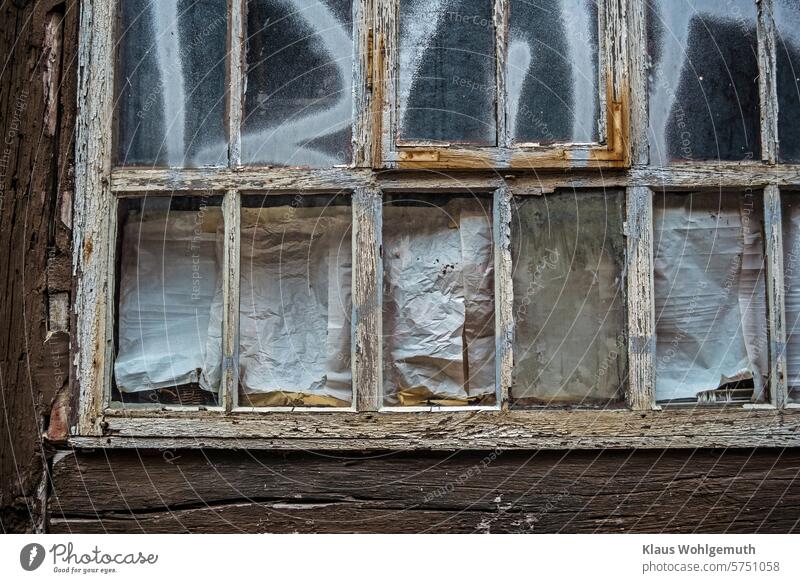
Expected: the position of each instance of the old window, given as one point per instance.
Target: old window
(398, 224)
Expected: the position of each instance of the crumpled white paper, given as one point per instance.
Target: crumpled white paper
(295, 301)
(710, 299)
(791, 271)
(438, 297)
(170, 273)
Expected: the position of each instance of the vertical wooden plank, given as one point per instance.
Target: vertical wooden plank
(500, 17)
(236, 35)
(385, 71)
(230, 297)
(363, 83)
(641, 307)
(504, 295)
(776, 313)
(767, 85)
(637, 71)
(367, 300)
(93, 208)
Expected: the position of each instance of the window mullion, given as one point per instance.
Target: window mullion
(367, 302)
(641, 306)
(504, 295)
(236, 39)
(767, 84)
(230, 293)
(500, 16)
(776, 314)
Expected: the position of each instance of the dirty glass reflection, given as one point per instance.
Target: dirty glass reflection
(787, 22)
(569, 305)
(703, 80)
(446, 87)
(171, 83)
(553, 70)
(298, 105)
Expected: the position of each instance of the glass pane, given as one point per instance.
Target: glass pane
(553, 71)
(704, 101)
(299, 99)
(438, 301)
(710, 302)
(446, 89)
(787, 22)
(171, 83)
(791, 273)
(295, 303)
(568, 254)
(169, 290)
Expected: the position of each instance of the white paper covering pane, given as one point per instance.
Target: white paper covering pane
(299, 99)
(710, 302)
(791, 278)
(170, 277)
(295, 301)
(438, 302)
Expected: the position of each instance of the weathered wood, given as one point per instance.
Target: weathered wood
(94, 207)
(518, 429)
(637, 73)
(488, 491)
(230, 297)
(503, 296)
(367, 316)
(776, 315)
(640, 300)
(767, 82)
(236, 81)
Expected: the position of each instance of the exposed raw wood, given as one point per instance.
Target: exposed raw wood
(773, 250)
(702, 426)
(38, 41)
(367, 305)
(363, 34)
(486, 491)
(500, 19)
(640, 304)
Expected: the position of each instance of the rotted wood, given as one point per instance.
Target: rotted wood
(776, 314)
(485, 491)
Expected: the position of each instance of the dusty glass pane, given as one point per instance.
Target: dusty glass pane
(791, 279)
(171, 83)
(553, 71)
(787, 22)
(710, 300)
(169, 306)
(299, 99)
(703, 80)
(295, 301)
(438, 301)
(446, 89)
(569, 305)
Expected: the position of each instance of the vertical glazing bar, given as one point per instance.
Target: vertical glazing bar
(363, 83)
(230, 293)
(367, 315)
(638, 69)
(500, 16)
(775, 295)
(504, 295)
(767, 85)
(641, 298)
(236, 33)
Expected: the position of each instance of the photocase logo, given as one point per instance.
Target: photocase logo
(31, 556)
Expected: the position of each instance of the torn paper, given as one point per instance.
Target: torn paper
(170, 273)
(295, 303)
(710, 302)
(438, 304)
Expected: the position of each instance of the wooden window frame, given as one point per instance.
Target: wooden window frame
(610, 152)
(368, 424)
